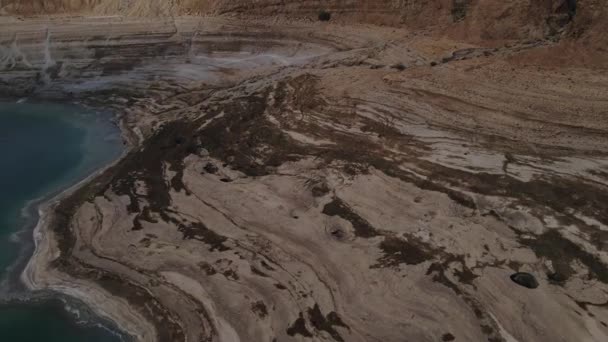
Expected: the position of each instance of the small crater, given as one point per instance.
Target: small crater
(337, 232)
(399, 66)
(524, 279)
(295, 214)
(178, 140)
(338, 208)
(448, 337)
(324, 16)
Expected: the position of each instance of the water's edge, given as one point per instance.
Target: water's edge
(16, 288)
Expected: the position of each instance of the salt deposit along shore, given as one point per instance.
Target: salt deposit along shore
(38, 273)
(46, 147)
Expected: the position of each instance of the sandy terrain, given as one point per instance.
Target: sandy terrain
(298, 181)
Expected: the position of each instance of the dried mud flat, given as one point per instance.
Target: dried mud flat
(325, 182)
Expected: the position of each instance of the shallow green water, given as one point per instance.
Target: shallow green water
(44, 148)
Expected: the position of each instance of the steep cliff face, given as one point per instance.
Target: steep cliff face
(471, 19)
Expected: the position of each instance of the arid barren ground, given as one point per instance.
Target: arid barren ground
(376, 178)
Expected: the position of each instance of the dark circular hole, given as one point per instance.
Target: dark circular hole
(324, 16)
(525, 279)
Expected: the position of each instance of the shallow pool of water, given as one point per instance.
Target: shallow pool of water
(45, 148)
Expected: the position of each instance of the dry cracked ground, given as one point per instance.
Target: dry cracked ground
(303, 181)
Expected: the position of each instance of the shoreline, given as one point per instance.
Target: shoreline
(24, 279)
(31, 211)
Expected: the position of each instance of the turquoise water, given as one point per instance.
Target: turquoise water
(45, 148)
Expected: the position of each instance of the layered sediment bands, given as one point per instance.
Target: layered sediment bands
(342, 183)
(465, 19)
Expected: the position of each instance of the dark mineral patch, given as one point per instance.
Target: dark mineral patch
(210, 168)
(199, 231)
(259, 308)
(400, 251)
(280, 286)
(459, 10)
(320, 189)
(326, 323)
(338, 208)
(209, 270)
(399, 66)
(437, 270)
(448, 337)
(299, 328)
(257, 272)
(466, 276)
(245, 139)
(557, 278)
(561, 251)
(525, 280)
(230, 275)
(324, 16)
